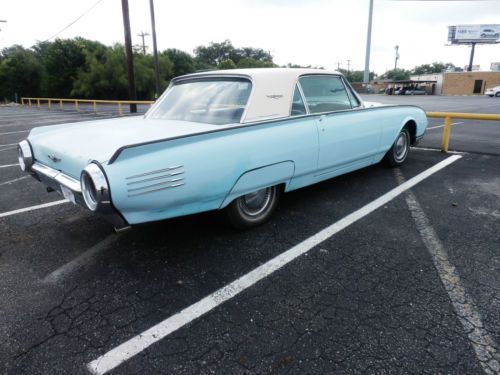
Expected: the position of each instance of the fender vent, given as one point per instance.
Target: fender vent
(157, 180)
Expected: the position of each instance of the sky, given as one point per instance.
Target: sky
(307, 32)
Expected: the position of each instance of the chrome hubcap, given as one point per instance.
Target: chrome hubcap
(401, 147)
(254, 204)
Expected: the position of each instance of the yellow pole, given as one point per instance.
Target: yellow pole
(29, 101)
(38, 103)
(120, 111)
(446, 134)
(95, 107)
(76, 106)
(61, 104)
(49, 104)
(22, 102)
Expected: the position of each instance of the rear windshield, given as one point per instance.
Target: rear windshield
(217, 101)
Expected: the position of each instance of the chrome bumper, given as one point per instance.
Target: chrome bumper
(58, 177)
(54, 179)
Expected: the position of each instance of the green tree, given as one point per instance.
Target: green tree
(397, 74)
(20, 73)
(249, 62)
(226, 64)
(356, 75)
(61, 61)
(435, 67)
(104, 76)
(183, 62)
(212, 55)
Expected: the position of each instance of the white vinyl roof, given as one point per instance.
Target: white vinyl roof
(272, 89)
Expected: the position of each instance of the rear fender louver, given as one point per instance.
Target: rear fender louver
(150, 182)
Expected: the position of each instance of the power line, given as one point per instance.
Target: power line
(73, 22)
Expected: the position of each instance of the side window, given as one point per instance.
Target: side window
(324, 93)
(298, 107)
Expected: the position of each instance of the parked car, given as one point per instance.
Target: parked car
(417, 91)
(223, 140)
(489, 33)
(494, 91)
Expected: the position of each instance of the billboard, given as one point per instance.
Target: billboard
(474, 34)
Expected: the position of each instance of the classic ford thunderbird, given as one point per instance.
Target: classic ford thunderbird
(229, 140)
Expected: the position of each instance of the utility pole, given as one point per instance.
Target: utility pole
(366, 77)
(396, 59)
(348, 66)
(130, 57)
(155, 49)
(142, 35)
(338, 66)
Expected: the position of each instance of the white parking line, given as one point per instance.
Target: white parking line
(32, 208)
(438, 150)
(14, 180)
(9, 165)
(82, 260)
(9, 144)
(442, 126)
(484, 346)
(137, 344)
(19, 131)
(7, 148)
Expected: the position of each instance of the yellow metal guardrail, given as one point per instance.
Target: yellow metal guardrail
(39, 101)
(448, 116)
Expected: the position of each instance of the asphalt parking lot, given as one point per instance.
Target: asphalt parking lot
(408, 284)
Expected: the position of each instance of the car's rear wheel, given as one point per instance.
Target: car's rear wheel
(497, 94)
(398, 153)
(254, 208)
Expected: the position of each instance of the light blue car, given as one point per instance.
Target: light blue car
(229, 140)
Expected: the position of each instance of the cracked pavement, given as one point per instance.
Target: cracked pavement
(368, 300)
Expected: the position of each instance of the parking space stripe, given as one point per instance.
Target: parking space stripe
(19, 131)
(465, 309)
(437, 149)
(137, 344)
(14, 180)
(9, 165)
(442, 126)
(82, 260)
(32, 208)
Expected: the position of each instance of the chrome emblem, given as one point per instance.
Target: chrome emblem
(54, 158)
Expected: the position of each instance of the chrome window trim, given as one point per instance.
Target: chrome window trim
(58, 176)
(351, 91)
(297, 86)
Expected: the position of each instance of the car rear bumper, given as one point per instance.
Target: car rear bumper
(57, 181)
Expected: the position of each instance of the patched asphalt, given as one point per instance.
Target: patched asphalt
(367, 300)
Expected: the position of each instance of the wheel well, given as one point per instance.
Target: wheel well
(412, 128)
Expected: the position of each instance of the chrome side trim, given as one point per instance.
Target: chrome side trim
(155, 178)
(152, 191)
(58, 176)
(158, 184)
(154, 172)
